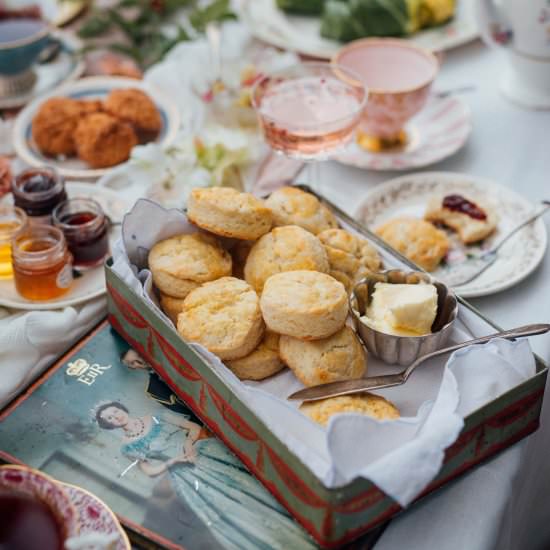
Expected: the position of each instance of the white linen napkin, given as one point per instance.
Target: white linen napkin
(401, 456)
(30, 341)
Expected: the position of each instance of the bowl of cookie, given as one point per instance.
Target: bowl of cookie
(402, 315)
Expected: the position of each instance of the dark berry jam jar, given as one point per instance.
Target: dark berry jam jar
(85, 227)
(37, 191)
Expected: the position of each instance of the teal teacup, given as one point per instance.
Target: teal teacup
(21, 42)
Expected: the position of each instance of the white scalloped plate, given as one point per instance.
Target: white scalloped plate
(301, 34)
(518, 258)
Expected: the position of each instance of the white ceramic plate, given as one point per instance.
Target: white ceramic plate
(91, 283)
(66, 67)
(437, 132)
(520, 256)
(301, 34)
(88, 88)
(95, 517)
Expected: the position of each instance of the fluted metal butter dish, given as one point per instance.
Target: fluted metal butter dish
(402, 350)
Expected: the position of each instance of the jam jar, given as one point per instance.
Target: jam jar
(38, 191)
(85, 227)
(12, 221)
(42, 263)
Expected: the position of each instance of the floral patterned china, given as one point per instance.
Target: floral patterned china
(96, 518)
(437, 132)
(26, 482)
(519, 256)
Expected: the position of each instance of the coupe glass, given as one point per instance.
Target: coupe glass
(309, 111)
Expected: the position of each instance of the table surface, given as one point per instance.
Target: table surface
(497, 505)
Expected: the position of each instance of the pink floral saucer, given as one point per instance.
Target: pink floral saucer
(96, 517)
(437, 132)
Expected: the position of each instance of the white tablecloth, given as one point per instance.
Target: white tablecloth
(503, 504)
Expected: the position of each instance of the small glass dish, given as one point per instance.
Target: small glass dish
(402, 350)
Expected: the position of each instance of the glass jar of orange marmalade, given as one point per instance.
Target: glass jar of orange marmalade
(12, 221)
(42, 264)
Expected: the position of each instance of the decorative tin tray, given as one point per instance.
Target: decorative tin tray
(332, 516)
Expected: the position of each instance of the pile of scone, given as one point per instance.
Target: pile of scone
(264, 285)
(101, 133)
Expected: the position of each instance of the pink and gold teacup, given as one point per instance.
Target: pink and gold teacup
(398, 75)
(37, 513)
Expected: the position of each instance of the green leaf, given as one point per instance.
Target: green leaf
(219, 10)
(96, 25)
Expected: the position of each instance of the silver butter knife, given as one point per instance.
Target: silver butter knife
(348, 387)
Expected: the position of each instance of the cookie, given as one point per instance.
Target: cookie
(171, 306)
(229, 213)
(365, 403)
(264, 361)
(338, 357)
(472, 220)
(288, 248)
(292, 206)
(304, 304)
(350, 257)
(182, 263)
(417, 239)
(224, 316)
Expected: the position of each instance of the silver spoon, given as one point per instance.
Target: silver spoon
(348, 387)
(488, 258)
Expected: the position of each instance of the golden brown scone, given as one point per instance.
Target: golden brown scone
(292, 206)
(171, 306)
(239, 253)
(350, 257)
(264, 361)
(417, 239)
(227, 212)
(89, 106)
(183, 262)
(470, 228)
(366, 403)
(338, 357)
(224, 316)
(136, 108)
(288, 248)
(54, 124)
(102, 140)
(304, 304)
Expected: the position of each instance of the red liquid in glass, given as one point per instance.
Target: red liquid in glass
(88, 246)
(27, 524)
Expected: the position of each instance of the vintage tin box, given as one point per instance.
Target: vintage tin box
(332, 516)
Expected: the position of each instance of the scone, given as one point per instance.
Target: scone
(264, 361)
(471, 220)
(229, 213)
(351, 258)
(304, 304)
(365, 403)
(417, 239)
(224, 316)
(171, 306)
(288, 248)
(292, 206)
(338, 357)
(182, 263)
